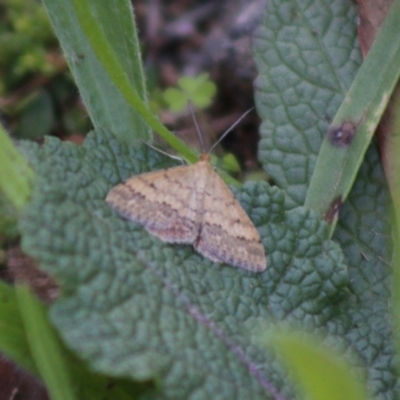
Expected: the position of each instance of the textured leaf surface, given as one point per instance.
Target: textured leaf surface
(134, 306)
(364, 232)
(307, 56)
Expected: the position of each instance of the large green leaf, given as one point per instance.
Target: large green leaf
(307, 56)
(134, 306)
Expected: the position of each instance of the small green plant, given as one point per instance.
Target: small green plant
(198, 90)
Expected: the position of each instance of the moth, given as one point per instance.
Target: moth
(192, 204)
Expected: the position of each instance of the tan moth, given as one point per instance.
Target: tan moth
(192, 204)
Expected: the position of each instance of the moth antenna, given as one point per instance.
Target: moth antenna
(165, 153)
(197, 127)
(229, 129)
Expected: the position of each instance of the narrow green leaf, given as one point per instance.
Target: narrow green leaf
(352, 129)
(45, 346)
(321, 373)
(114, 28)
(13, 341)
(15, 174)
(391, 149)
(104, 51)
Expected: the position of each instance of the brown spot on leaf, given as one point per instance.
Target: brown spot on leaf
(342, 136)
